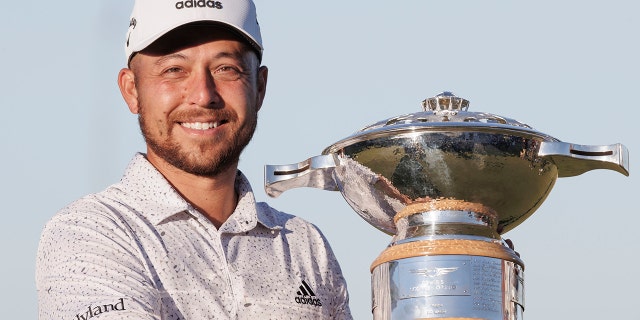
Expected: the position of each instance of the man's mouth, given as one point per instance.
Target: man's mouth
(202, 125)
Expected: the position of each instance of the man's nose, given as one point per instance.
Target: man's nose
(203, 90)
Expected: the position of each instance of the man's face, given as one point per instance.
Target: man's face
(198, 105)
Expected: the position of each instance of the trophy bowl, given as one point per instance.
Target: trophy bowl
(445, 153)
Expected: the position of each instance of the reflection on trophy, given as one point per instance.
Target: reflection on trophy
(446, 183)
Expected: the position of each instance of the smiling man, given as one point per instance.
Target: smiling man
(181, 235)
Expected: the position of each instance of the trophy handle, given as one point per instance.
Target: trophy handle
(574, 159)
(315, 172)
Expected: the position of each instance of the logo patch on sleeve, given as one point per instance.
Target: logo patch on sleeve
(93, 311)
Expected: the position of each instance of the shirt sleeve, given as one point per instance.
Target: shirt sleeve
(340, 299)
(87, 265)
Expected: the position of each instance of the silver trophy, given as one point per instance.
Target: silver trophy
(446, 183)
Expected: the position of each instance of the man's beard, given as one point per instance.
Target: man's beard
(201, 164)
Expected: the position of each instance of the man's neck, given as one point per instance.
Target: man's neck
(215, 197)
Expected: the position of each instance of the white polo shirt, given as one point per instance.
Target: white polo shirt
(138, 250)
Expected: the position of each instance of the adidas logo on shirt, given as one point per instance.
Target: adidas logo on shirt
(307, 296)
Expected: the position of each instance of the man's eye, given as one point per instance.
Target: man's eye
(172, 72)
(227, 73)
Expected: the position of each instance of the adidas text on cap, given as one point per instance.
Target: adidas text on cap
(151, 19)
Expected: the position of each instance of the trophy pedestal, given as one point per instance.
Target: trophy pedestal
(447, 264)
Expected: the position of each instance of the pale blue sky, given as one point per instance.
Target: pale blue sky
(568, 68)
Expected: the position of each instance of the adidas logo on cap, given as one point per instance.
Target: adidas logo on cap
(198, 4)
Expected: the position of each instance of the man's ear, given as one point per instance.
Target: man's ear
(127, 84)
(263, 73)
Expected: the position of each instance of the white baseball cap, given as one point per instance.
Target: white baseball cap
(151, 19)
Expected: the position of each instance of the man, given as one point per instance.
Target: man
(181, 236)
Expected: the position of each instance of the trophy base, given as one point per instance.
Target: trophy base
(448, 279)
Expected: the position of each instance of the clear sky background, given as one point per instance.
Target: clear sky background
(568, 68)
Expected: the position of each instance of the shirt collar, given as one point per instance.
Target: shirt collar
(248, 213)
(244, 217)
(149, 192)
(153, 195)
